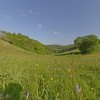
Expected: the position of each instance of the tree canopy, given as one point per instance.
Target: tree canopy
(87, 43)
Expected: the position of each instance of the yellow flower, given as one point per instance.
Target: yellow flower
(92, 88)
(37, 65)
(51, 78)
(69, 70)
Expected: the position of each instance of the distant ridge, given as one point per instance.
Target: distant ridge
(60, 49)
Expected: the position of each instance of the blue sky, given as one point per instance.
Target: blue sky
(51, 21)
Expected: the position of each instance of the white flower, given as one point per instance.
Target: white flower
(78, 89)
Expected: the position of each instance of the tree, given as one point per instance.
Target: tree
(87, 43)
(78, 41)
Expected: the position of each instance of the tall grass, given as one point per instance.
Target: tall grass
(27, 76)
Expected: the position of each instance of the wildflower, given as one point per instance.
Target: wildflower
(57, 96)
(7, 96)
(92, 88)
(51, 78)
(69, 70)
(26, 95)
(78, 89)
(37, 65)
(36, 98)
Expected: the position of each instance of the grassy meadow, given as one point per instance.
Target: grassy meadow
(29, 76)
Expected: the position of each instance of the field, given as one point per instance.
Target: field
(28, 76)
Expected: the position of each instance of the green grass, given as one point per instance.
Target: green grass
(48, 77)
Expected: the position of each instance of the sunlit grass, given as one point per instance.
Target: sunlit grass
(28, 76)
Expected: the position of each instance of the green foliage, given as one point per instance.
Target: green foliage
(78, 41)
(86, 44)
(61, 49)
(26, 43)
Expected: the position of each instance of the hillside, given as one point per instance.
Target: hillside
(25, 42)
(7, 49)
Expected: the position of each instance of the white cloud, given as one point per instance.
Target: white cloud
(40, 26)
(25, 14)
(30, 11)
(55, 32)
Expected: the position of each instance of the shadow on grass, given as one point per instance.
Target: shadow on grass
(12, 91)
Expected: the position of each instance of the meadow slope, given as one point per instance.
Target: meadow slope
(30, 76)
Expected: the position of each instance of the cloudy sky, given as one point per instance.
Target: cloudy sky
(51, 21)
